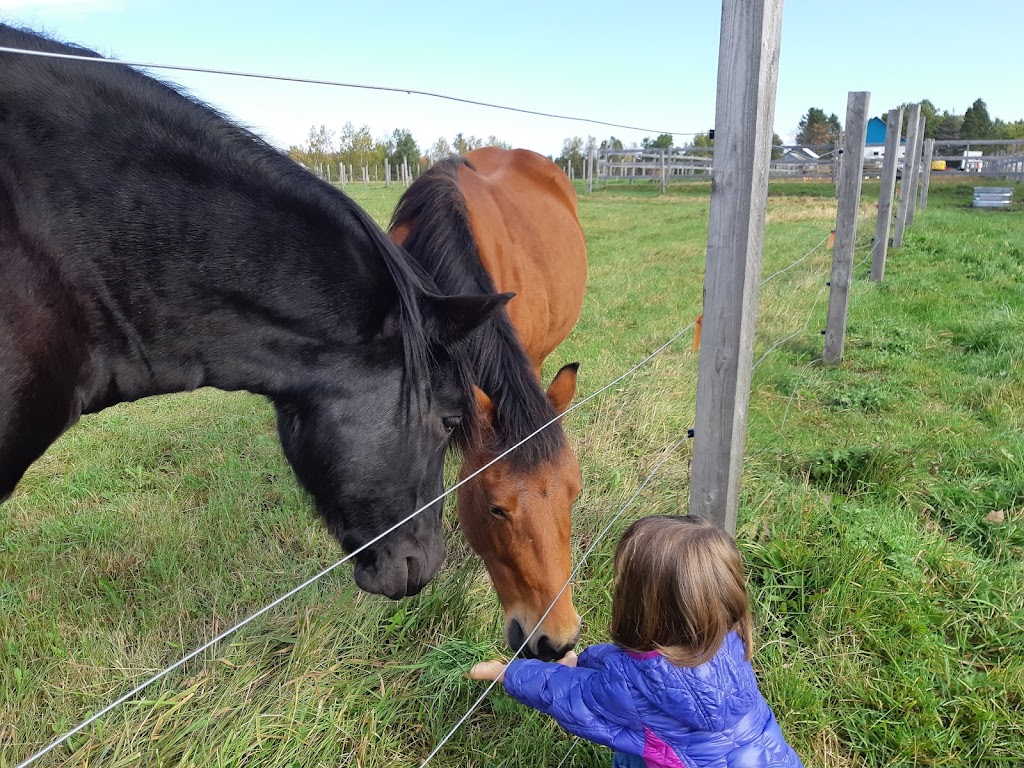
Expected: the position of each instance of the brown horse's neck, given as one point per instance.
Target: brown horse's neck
(432, 224)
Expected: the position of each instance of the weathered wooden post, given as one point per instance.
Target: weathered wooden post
(664, 168)
(916, 170)
(837, 160)
(851, 179)
(929, 152)
(748, 67)
(906, 185)
(893, 128)
(387, 173)
(590, 175)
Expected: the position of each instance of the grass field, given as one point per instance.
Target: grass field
(882, 523)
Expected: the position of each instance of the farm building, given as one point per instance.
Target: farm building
(874, 142)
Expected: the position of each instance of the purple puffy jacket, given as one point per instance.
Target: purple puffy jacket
(711, 716)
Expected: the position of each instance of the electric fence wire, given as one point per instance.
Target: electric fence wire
(234, 628)
(583, 559)
(333, 83)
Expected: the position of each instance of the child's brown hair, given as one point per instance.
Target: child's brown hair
(679, 590)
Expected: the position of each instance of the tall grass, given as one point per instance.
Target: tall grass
(888, 589)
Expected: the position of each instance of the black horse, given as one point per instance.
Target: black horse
(148, 245)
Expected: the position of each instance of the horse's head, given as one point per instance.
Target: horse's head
(519, 520)
(371, 448)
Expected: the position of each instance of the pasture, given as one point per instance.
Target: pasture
(889, 596)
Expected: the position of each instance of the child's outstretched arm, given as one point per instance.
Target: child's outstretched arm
(583, 701)
(495, 669)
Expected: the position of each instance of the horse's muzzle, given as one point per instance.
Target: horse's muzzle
(540, 646)
(399, 571)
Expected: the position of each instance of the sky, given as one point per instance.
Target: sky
(652, 66)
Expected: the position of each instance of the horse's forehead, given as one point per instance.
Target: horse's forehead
(506, 479)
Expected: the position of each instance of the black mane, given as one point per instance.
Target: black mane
(441, 239)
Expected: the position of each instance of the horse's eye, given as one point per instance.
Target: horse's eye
(451, 422)
(499, 512)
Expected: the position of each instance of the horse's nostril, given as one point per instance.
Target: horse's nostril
(547, 651)
(415, 581)
(516, 637)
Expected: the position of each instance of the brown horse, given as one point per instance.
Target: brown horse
(508, 220)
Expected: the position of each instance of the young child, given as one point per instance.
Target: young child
(676, 688)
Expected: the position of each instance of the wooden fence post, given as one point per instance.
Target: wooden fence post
(850, 182)
(748, 69)
(387, 173)
(913, 128)
(837, 161)
(929, 152)
(893, 128)
(916, 170)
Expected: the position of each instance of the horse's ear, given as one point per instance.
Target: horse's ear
(484, 407)
(563, 387)
(451, 318)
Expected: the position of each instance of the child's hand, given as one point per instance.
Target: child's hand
(495, 670)
(489, 670)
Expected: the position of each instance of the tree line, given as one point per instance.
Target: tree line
(816, 127)
(357, 147)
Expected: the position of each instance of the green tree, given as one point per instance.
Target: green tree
(320, 147)
(572, 154)
(358, 148)
(440, 149)
(947, 126)
(818, 128)
(930, 113)
(403, 148)
(931, 118)
(463, 145)
(662, 142)
(494, 141)
(1014, 130)
(611, 143)
(977, 124)
(704, 141)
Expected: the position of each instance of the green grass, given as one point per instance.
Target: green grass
(890, 607)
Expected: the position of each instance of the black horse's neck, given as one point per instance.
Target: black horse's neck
(193, 252)
(441, 240)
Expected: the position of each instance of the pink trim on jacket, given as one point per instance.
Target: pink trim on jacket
(642, 656)
(658, 754)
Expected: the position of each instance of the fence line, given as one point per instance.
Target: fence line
(231, 630)
(805, 256)
(660, 170)
(597, 540)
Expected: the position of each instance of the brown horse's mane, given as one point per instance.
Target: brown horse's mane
(441, 240)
